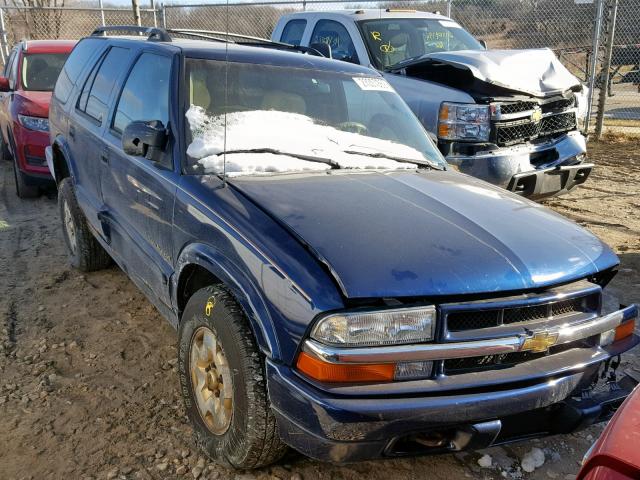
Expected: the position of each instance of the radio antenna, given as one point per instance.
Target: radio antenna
(226, 97)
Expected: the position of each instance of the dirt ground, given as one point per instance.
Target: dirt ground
(88, 384)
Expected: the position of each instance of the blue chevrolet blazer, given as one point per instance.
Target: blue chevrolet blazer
(335, 286)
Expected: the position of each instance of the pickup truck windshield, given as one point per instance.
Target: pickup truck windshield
(40, 70)
(394, 40)
(285, 119)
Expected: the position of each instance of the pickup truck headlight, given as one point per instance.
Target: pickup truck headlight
(464, 121)
(382, 327)
(38, 124)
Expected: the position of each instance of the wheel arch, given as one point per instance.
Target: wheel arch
(61, 164)
(200, 265)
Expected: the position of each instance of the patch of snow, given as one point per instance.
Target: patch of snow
(533, 459)
(290, 133)
(485, 461)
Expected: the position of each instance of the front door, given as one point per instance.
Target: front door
(138, 192)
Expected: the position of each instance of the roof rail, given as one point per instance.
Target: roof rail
(153, 34)
(228, 37)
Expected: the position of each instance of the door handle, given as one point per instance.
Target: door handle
(72, 132)
(104, 155)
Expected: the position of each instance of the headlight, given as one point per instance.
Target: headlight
(34, 123)
(382, 327)
(461, 121)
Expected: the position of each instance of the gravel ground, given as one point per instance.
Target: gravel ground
(88, 384)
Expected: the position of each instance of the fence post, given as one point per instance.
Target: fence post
(155, 19)
(4, 48)
(449, 2)
(163, 12)
(593, 67)
(604, 87)
(136, 12)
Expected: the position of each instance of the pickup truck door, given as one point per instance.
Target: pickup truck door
(88, 120)
(138, 193)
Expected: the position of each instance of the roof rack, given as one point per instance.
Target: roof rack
(162, 35)
(153, 34)
(228, 37)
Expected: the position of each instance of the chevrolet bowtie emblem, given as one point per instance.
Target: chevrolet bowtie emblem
(536, 116)
(540, 342)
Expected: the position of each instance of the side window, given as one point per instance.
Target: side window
(145, 95)
(293, 31)
(73, 67)
(97, 89)
(336, 36)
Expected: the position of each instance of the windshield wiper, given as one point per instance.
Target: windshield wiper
(274, 151)
(426, 163)
(402, 63)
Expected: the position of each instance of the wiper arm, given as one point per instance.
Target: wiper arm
(425, 163)
(274, 151)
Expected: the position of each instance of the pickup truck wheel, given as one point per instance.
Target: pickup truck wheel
(85, 253)
(223, 383)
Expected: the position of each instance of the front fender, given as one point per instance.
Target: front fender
(242, 288)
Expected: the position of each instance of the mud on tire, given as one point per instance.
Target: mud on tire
(85, 253)
(251, 439)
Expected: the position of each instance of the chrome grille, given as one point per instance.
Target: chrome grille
(516, 131)
(456, 366)
(516, 107)
(479, 319)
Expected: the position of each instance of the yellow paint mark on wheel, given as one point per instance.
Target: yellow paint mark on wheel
(208, 308)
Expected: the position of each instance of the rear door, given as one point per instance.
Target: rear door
(138, 193)
(87, 126)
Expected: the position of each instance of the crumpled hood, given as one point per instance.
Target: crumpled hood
(537, 72)
(425, 234)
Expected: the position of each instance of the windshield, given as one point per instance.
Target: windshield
(40, 70)
(285, 119)
(393, 40)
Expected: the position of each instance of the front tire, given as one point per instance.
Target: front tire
(223, 383)
(22, 189)
(85, 253)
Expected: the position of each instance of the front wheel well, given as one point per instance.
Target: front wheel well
(59, 164)
(192, 278)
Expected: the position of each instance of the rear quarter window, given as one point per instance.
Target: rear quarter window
(293, 31)
(73, 67)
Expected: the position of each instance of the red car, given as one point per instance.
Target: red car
(616, 454)
(27, 81)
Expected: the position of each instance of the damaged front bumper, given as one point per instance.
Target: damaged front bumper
(534, 170)
(549, 395)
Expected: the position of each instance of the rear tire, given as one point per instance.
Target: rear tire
(5, 154)
(22, 189)
(85, 253)
(225, 393)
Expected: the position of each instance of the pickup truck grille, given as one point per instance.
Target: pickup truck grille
(461, 321)
(522, 130)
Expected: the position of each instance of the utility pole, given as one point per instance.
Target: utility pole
(136, 12)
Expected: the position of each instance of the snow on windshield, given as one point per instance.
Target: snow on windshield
(286, 133)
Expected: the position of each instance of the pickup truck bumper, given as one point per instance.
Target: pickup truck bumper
(551, 395)
(518, 170)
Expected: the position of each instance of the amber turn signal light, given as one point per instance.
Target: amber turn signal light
(625, 330)
(322, 371)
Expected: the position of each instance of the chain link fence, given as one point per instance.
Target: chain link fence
(574, 29)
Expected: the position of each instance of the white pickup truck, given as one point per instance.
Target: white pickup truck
(507, 116)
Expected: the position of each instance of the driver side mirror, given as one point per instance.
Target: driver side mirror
(145, 139)
(4, 84)
(323, 48)
(483, 43)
